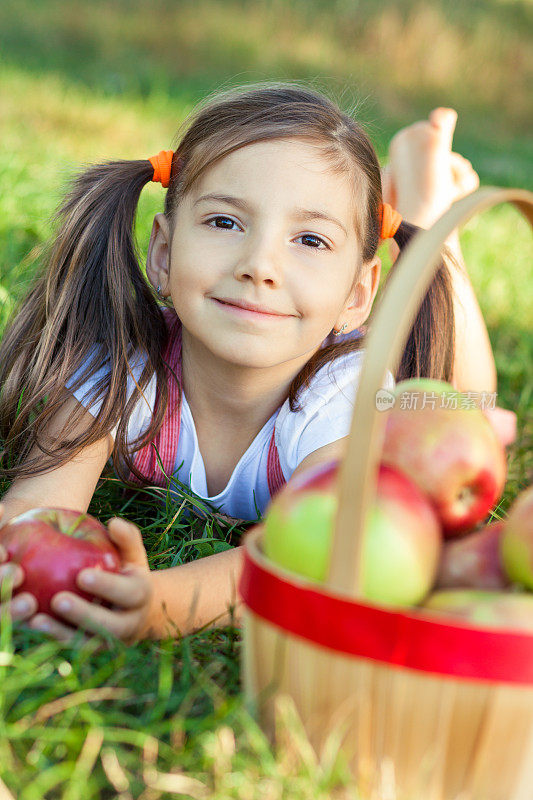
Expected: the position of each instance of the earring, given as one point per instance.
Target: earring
(338, 333)
(158, 290)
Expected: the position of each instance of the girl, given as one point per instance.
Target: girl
(265, 256)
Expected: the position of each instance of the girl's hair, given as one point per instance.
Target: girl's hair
(93, 303)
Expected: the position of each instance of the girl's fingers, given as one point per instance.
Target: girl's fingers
(22, 607)
(127, 589)
(11, 573)
(47, 624)
(86, 615)
(128, 539)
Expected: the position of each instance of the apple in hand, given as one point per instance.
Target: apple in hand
(452, 454)
(506, 610)
(473, 561)
(52, 545)
(517, 540)
(402, 543)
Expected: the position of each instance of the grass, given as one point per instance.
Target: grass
(168, 718)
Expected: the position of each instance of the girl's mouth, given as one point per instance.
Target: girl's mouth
(247, 313)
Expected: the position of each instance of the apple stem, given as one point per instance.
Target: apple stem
(75, 524)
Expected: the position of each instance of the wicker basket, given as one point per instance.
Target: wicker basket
(431, 709)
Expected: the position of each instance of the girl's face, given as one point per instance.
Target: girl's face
(272, 225)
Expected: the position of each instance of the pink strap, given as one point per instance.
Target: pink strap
(166, 442)
(275, 476)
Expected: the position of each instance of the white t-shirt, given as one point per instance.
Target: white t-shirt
(327, 406)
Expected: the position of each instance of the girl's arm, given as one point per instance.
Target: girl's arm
(160, 603)
(201, 593)
(474, 368)
(204, 592)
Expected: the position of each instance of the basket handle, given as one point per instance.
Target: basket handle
(395, 314)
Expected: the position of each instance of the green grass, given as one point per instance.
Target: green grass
(82, 83)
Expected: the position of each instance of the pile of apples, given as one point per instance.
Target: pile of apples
(428, 544)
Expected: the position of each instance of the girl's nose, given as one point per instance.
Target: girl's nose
(260, 261)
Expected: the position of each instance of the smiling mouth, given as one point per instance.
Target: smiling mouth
(246, 312)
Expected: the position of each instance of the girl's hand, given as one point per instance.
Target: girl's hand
(424, 177)
(24, 605)
(130, 592)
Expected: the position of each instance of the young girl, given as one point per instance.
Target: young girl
(266, 257)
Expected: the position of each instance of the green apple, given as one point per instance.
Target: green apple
(297, 541)
(517, 540)
(423, 385)
(402, 544)
(508, 610)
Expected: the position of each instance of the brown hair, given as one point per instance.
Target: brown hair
(92, 302)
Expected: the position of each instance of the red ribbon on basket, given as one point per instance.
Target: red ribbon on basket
(398, 638)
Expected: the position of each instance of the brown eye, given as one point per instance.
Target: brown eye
(309, 236)
(224, 219)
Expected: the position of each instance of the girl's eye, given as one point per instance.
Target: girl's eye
(224, 219)
(316, 239)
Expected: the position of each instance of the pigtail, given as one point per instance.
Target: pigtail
(430, 347)
(90, 306)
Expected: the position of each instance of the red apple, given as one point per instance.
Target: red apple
(452, 454)
(517, 540)
(52, 545)
(506, 610)
(473, 561)
(402, 544)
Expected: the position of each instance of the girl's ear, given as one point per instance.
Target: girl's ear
(361, 299)
(158, 256)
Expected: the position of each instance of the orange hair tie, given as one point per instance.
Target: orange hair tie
(390, 221)
(162, 164)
